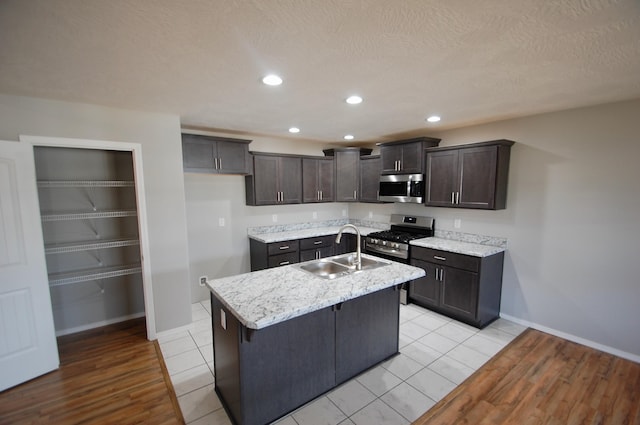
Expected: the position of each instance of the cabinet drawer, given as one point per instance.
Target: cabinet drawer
(283, 259)
(282, 247)
(318, 242)
(436, 256)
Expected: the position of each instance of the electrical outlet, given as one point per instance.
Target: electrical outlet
(221, 222)
(457, 223)
(315, 215)
(344, 213)
(274, 218)
(203, 280)
(370, 214)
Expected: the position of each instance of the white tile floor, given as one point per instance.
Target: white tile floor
(436, 354)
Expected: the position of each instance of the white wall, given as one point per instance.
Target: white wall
(159, 135)
(572, 221)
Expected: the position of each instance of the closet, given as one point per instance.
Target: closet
(90, 228)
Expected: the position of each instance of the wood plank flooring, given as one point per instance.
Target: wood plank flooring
(543, 379)
(110, 375)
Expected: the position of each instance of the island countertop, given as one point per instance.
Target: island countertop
(266, 297)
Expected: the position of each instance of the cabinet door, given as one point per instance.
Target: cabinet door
(310, 187)
(390, 156)
(290, 180)
(265, 179)
(197, 155)
(477, 177)
(412, 158)
(232, 157)
(459, 292)
(326, 172)
(370, 170)
(366, 332)
(314, 254)
(347, 177)
(442, 178)
(426, 290)
(348, 243)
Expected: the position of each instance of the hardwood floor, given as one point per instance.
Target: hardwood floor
(543, 379)
(110, 375)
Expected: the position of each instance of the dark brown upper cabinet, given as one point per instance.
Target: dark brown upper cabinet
(276, 179)
(318, 180)
(468, 176)
(347, 174)
(215, 155)
(370, 170)
(405, 156)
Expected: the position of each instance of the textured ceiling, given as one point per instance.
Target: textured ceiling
(469, 61)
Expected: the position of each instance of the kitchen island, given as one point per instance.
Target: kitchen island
(283, 336)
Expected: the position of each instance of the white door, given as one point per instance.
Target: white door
(28, 345)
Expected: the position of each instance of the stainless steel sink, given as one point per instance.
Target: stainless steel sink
(349, 261)
(340, 265)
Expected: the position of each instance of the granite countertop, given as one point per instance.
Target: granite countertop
(467, 248)
(307, 233)
(266, 297)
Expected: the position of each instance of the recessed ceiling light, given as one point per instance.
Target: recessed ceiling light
(272, 80)
(294, 130)
(348, 137)
(354, 100)
(433, 118)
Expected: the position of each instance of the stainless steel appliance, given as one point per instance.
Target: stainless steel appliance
(393, 244)
(402, 188)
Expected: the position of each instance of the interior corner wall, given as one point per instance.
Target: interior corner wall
(571, 221)
(218, 218)
(159, 135)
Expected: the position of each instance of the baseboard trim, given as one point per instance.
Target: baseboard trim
(99, 324)
(573, 338)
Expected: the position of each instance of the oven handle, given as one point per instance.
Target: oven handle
(389, 251)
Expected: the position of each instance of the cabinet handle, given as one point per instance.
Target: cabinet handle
(220, 163)
(437, 257)
(453, 199)
(284, 263)
(441, 275)
(355, 194)
(458, 198)
(317, 242)
(284, 247)
(321, 195)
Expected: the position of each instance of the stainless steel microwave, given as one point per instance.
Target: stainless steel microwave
(402, 188)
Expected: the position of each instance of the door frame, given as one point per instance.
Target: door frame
(136, 153)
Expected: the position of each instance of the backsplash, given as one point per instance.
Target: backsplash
(469, 237)
(444, 234)
(260, 230)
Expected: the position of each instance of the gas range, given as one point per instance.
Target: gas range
(394, 243)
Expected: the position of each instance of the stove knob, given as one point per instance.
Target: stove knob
(384, 243)
(395, 245)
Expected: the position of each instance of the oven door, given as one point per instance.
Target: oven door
(386, 253)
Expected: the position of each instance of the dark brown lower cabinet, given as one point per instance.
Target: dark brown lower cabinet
(264, 374)
(463, 287)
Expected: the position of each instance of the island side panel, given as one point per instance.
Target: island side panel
(226, 358)
(367, 331)
(264, 374)
(286, 365)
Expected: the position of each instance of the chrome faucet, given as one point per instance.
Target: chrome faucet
(358, 261)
